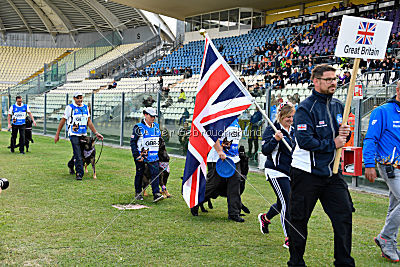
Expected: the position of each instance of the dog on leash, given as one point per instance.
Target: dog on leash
(28, 134)
(163, 169)
(88, 151)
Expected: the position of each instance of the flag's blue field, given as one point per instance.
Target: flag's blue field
(49, 218)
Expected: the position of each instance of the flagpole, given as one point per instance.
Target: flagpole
(253, 100)
(270, 122)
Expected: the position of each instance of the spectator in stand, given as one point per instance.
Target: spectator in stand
(243, 82)
(347, 77)
(295, 76)
(382, 16)
(221, 48)
(280, 83)
(184, 117)
(341, 6)
(148, 102)
(112, 85)
(256, 90)
(305, 76)
(182, 96)
(160, 81)
(310, 67)
(166, 90)
(274, 82)
(267, 79)
(311, 40)
(168, 102)
(231, 60)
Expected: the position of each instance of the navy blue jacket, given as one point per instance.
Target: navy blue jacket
(316, 125)
(278, 155)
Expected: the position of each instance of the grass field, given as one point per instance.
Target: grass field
(49, 218)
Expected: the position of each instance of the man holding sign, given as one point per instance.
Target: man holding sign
(318, 134)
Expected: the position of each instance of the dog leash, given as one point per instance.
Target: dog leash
(101, 150)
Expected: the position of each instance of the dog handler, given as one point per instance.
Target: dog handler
(146, 137)
(227, 146)
(381, 146)
(78, 119)
(18, 113)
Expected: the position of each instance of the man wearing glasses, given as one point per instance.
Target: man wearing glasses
(145, 142)
(318, 134)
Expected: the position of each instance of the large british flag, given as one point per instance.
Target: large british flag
(220, 99)
(365, 33)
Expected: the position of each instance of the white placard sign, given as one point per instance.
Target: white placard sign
(363, 38)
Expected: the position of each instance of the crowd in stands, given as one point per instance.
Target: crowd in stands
(187, 72)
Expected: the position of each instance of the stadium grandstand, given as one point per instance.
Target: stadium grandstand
(53, 48)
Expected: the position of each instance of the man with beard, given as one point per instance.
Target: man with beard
(318, 135)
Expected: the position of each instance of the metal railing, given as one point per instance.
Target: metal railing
(127, 60)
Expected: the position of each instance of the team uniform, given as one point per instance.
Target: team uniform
(215, 184)
(316, 125)
(146, 138)
(18, 117)
(277, 171)
(381, 146)
(77, 120)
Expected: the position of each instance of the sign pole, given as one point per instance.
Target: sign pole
(347, 110)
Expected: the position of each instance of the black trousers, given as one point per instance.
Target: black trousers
(14, 132)
(216, 185)
(336, 201)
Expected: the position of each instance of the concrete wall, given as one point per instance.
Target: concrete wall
(135, 35)
(213, 33)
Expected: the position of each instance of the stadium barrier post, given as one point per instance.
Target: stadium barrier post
(66, 126)
(159, 104)
(45, 113)
(346, 112)
(121, 137)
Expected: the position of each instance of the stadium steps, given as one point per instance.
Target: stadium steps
(40, 71)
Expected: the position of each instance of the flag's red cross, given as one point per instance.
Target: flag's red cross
(365, 33)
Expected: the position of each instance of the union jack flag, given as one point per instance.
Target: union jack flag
(365, 33)
(220, 99)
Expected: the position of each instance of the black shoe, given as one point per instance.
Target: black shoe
(78, 178)
(245, 209)
(157, 197)
(195, 211)
(22, 152)
(138, 196)
(12, 150)
(235, 218)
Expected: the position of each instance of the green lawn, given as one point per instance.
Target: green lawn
(48, 218)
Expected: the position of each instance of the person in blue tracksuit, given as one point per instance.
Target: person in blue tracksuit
(381, 147)
(77, 117)
(16, 122)
(277, 167)
(145, 141)
(318, 134)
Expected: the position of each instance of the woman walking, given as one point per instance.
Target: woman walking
(277, 167)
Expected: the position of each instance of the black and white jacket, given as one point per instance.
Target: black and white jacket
(278, 155)
(316, 125)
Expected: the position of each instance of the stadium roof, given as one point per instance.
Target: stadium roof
(66, 16)
(181, 9)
